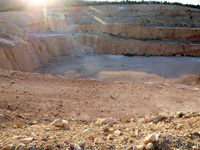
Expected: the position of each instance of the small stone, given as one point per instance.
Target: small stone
(47, 129)
(130, 141)
(77, 147)
(106, 129)
(106, 121)
(179, 114)
(20, 146)
(143, 120)
(157, 136)
(117, 133)
(66, 141)
(34, 126)
(26, 140)
(110, 125)
(65, 125)
(97, 140)
(31, 147)
(35, 122)
(87, 131)
(133, 135)
(91, 137)
(140, 147)
(59, 145)
(71, 146)
(45, 137)
(132, 148)
(177, 55)
(81, 143)
(179, 126)
(61, 123)
(150, 138)
(110, 137)
(194, 148)
(150, 146)
(15, 126)
(57, 123)
(11, 146)
(127, 129)
(50, 138)
(152, 119)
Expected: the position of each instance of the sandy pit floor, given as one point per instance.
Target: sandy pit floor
(121, 68)
(142, 86)
(90, 99)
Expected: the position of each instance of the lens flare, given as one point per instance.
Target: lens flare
(37, 1)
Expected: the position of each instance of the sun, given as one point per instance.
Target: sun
(37, 2)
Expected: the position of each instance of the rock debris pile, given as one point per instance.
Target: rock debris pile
(179, 131)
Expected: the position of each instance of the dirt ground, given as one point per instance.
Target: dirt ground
(30, 102)
(91, 99)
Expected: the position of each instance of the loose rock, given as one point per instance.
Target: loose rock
(117, 133)
(65, 125)
(57, 123)
(77, 147)
(152, 119)
(140, 147)
(31, 147)
(20, 146)
(179, 114)
(26, 140)
(61, 123)
(66, 141)
(110, 137)
(150, 146)
(150, 138)
(106, 121)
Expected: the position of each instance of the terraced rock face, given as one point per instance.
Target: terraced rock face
(151, 30)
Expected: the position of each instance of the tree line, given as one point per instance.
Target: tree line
(88, 3)
(15, 5)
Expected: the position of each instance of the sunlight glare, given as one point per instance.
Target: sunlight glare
(37, 2)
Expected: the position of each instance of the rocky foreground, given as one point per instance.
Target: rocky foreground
(25, 131)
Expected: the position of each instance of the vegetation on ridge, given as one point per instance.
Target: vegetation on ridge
(14, 5)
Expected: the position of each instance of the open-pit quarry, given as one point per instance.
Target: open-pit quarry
(137, 67)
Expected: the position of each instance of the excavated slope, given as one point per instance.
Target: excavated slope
(30, 39)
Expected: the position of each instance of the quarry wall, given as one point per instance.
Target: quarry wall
(146, 15)
(32, 55)
(150, 30)
(142, 33)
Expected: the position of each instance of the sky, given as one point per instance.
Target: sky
(195, 2)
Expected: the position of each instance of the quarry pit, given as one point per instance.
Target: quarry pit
(92, 62)
(164, 45)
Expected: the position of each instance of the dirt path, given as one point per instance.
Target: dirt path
(89, 99)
